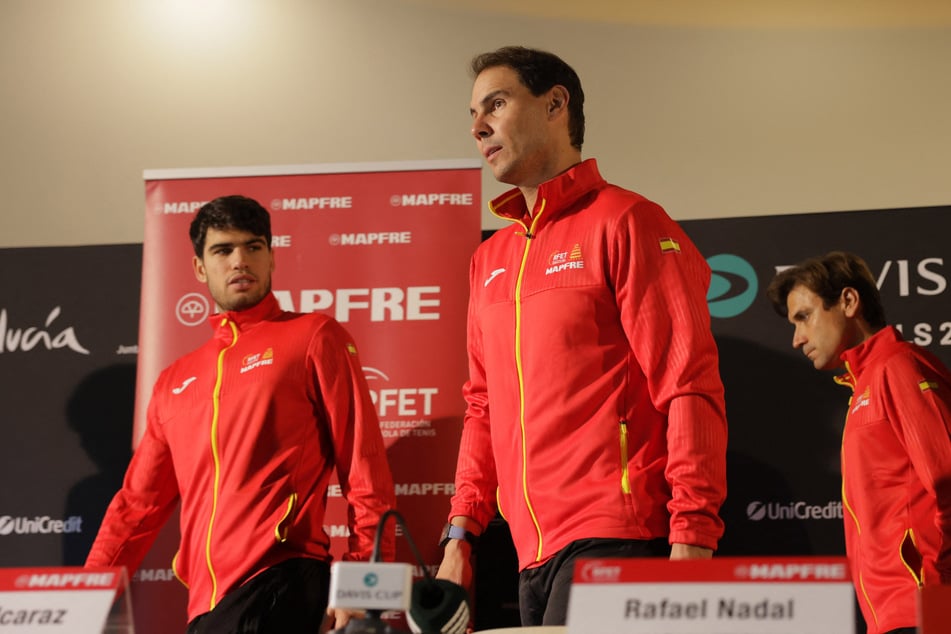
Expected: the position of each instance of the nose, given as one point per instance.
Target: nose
(798, 339)
(239, 259)
(480, 129)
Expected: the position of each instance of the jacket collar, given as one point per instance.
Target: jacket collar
(554, 195)
(266, 309)
(861, 356)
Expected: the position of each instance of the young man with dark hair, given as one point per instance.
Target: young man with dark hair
(896, 447)
(595, 419)
(245, 432)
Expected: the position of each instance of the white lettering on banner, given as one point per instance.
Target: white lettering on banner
(925, 270)
(337, 530)
(71, 580)
(925, 334)
(384, 304)
(40, 525)
(428, 200)
(182, 207)
(797, 571)
(370, 239)
(426, 488)
(757, 511)
(407, 401)
(127, 349)
(314, 202)
(25, 339)
(280, 241)
(153, 574)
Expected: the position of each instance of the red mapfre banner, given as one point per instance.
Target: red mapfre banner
(383, 248)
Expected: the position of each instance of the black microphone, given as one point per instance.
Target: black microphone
(437, 606)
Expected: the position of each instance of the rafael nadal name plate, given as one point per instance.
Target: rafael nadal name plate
(723, 595)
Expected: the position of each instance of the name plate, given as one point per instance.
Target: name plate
(723, 595)
(67, 600)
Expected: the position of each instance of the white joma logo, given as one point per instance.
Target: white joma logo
(494, 275)
(186, 383)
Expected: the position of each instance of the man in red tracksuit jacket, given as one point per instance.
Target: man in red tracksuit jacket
(595, 422)
(246, 431)
(896, 447)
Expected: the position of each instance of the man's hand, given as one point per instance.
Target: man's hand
(686, 551)
(455, 565)
(338, 618)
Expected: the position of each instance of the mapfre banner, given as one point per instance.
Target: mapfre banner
(383, 248)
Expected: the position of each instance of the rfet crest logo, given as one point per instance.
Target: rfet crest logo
(597, 571)
(733, 285)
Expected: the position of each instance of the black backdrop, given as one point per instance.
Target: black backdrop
(68, 334)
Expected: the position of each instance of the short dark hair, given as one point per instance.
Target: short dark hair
(229, 212)
(827, 276)
(539, 71)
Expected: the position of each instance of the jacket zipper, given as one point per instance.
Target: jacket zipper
(216, 405)
(625, 476)
(529, 234)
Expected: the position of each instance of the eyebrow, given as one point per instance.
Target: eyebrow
(255, 240)
(489, 97)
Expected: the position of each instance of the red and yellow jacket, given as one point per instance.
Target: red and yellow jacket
(246, 431)
(896, 476)
(594, 403)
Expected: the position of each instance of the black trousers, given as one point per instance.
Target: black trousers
(289, 598)
(543, 591)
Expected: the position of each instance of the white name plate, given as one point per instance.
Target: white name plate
(67, 600)
(724, 595)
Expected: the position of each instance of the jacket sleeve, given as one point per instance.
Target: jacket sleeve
(661, 282)
(476, 480)
(919, 407)
(138, 511)
(359, 453)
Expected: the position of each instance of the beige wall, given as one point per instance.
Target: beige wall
(708, 121)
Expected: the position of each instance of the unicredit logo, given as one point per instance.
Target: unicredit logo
(758, 511)
(733, 285)
(39, 525)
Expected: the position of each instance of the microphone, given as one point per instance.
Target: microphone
(436, 606)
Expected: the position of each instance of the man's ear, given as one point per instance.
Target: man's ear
(557, 99)
(851, 302)
(199, 267)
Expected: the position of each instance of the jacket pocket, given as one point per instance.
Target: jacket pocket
(283, 526)
(911, 557)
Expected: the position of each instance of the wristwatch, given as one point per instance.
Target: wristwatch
(451, 531)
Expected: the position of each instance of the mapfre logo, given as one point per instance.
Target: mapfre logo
(67, 580)
(192, 309)
(256, 360)
(179, 207)
(432, 199)
(800, 571)
(153, 574)
(372, 238)
(565, 260)
(311, 203)
(596, 571)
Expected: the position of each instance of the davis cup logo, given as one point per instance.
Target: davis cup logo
(597, 572)
(192, 309)
(733, 285)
